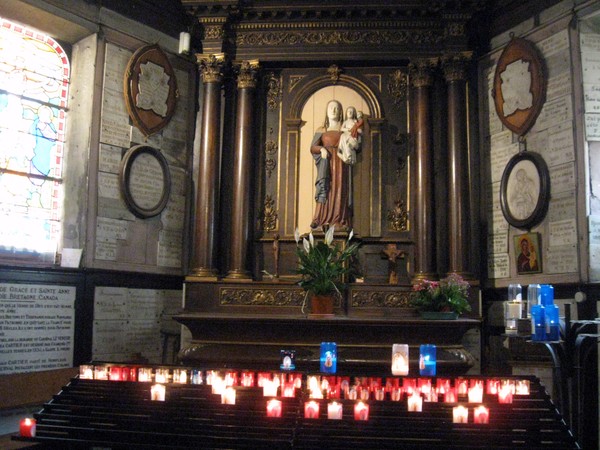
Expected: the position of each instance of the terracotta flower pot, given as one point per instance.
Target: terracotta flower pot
(321, 306)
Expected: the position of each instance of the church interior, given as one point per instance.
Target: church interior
(198, 188)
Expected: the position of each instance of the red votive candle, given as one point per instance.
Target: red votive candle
(27, 427)
(481, 414)
(115, 373)
(460, 414)
(505, 395)
(311, 410)
(361, 411)
(450, 395)
(274, 408)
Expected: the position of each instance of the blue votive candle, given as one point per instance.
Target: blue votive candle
(427, 360)
(538, 323)
(328, 357)
(547, 294)
(552, 323)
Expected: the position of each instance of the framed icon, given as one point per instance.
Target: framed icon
(528, 257)
(145, 181)
(525, 190)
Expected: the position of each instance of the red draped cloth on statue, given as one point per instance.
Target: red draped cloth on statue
(335, 210)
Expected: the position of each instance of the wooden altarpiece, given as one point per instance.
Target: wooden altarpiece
(260, 65)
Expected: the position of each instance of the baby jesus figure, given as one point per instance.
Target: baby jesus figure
(351, 138)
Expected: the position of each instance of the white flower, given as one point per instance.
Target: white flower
(351, 234)
(311, 239)
(306, 245)
(329, 236)
(297, 235)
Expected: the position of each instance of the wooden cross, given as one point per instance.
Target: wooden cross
(393, 254)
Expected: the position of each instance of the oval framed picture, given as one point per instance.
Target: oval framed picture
(145, 181)
(519, 90)
(525, 190)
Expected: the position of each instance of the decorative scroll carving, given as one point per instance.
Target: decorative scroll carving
(294, 80)
(421, 71)
(270, 165)
(398, 217)
(211, 67)
(247, 74)
(274, 91)
(270, 151)
(334, 73)
(374, 299)
(401, 140)
(398, 87)
(269, 214)
(214, 32)
(455, 29)
(336, 37)
(455, 66)
(271, 148)
(232, 296)
(213, 27)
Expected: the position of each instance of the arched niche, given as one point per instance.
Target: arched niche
(306, 113)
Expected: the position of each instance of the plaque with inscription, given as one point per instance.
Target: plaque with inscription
(150, 89)
(519, 85)
(145, 181)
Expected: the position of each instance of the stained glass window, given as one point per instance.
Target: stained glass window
(34, 80)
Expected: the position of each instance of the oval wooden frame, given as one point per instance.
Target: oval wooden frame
(521, 121)
(125, 177)
(541, 207)
(148, 121)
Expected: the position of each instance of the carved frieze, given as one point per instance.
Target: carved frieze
(379, 299)
(245, 296)
(400, 36)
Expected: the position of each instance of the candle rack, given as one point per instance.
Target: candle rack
(120, 414)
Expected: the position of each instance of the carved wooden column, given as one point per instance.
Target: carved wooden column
(207, 191)
(454, 67)
(421, 79)
(242, 170)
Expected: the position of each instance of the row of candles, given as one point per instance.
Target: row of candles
(328, 364)
(414, 401)
(363, 389)
(335, 411)
(330, 386)
(274, 409)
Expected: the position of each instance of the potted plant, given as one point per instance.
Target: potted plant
(323, 266)
(444, 299)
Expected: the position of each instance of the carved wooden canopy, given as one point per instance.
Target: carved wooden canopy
(273, 30)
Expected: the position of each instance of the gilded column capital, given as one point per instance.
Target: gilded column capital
(455, 66)
(421, 71)
(247, 72)
(211, 66)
